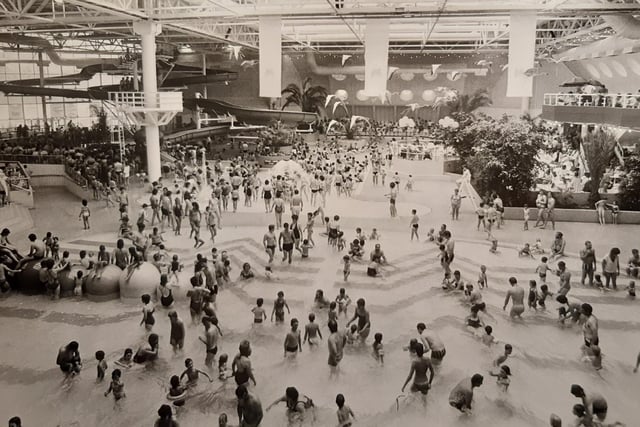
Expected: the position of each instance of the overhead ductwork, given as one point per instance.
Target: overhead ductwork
(45, 46)
(359, 69)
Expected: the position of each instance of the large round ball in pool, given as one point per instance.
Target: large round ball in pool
(144, 280)
(67, 280)
(28, 280)
(106, 287)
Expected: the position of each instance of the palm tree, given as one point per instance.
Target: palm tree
(599, 151)
(309, 98)
(464, 103)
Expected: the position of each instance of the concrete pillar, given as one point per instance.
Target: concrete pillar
(524, 105)
(148, 30)
(136, 85)
(43, 99)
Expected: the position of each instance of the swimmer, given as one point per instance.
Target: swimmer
(102, 365)
(516, 295)
(222, 366)
(177, 333)
(508, 349)
(487, 338)
(461, 396)
(345, 415)
(69, 359)
(312, 331)
(249, 408)
(116, 386)
(259, 313)
(293, 340)
(420, 366)
(177, 391)
(343, 301)
(502, 377)
(378, 348)
(210, 340)
(126, 361)
(278, 308)
(482, 277)
(193, 374)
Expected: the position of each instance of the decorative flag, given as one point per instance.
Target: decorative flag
(434, 68)
(522, 49)
(376, 57)
(270, 58)
(345, 58)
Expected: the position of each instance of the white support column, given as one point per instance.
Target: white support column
(148, 31)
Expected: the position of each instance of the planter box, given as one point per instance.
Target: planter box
(572, 215)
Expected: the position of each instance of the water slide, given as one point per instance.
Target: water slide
(254, 116)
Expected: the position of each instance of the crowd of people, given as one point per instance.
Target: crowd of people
(203, 193)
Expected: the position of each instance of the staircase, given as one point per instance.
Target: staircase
(16, 218)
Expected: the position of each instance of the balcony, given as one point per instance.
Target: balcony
(622, 110)
(139, 109)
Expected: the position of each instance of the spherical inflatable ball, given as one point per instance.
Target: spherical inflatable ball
(143, 280)
(28, 280)
(106, 287)
(67, 280)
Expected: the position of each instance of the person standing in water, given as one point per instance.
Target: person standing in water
(419, 368)
(249, 408)
(336, 343)
(516, 295)
(364, 322)
(461, 396)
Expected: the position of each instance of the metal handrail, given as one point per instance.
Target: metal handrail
(610, 100)
(138, 101)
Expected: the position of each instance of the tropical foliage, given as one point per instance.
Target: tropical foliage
(276, 136)
(505, 158)
(464, 103)
(630, 187)
(309, 98)
(599, 151)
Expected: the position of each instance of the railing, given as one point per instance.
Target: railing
(33, 159)
(610, 100)
(137, 101)
(76, 176)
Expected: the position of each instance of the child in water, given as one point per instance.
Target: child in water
(482, 277)
(378, 348)
(102, 365)
(126, 361)
(374, 235)
(345, 414)
(526, 251)
(222, 366)
(631, 290)
(532, 300)
(177, 391)
(488, 339)
(193, 374)
(494, 245)
(346, 271)
(116, 386)
(502, 379)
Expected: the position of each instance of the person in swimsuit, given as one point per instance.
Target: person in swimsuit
(278, 308)
(285, 243)
(392, 195)
(196, 302)
(193, 374)
(210, 340)
(267, 196)
(270, 242)
(150, 354)
(419, 368)
(177, 392)
(293, 341)
(166, 417)
(296, 408)
(165, 295)
(249, 408)
(241, 365)
(147, 312)
(364, 323)
(69, 359)
(116, 386)
(177, 333)
(594, 403)
(516, 295)
(461, 396)
(278, 209)
(195, 219)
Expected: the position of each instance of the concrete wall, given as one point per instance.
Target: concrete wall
(54, 176)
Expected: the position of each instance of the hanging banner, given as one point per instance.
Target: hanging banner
(376, 57)
(270, 63)
(522, 50)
